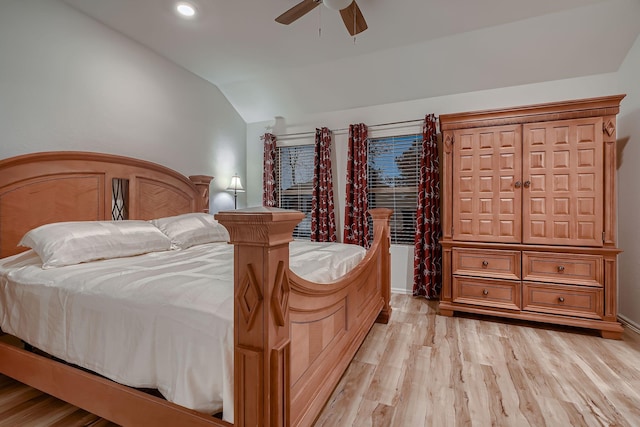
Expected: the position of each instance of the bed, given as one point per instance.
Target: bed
(293, 338)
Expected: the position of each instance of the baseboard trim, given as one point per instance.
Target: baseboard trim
(628, 323)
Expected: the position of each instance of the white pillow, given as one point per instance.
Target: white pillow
(192, 229)
(67, 243)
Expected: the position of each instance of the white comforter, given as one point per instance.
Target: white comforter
(161, 320)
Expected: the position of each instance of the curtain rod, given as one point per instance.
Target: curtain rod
(284, 135)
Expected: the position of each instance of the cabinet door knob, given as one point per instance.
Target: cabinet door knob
(518, 184)
(527, 184)
(485, 292)
(485, 263)
(561, 268)
(561, 299)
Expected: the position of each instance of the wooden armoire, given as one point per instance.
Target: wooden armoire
(529, 213)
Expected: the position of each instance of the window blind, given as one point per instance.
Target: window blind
(393, 172)
(294, 183)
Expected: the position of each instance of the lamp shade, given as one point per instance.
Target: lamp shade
(235, 184)
(337, 4)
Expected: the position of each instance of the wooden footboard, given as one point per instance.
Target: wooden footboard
(294, 338)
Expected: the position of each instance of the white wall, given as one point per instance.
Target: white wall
(402, 256)
(68, 82)
(628, 194)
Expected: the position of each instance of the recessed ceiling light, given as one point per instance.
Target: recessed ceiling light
(186, 9)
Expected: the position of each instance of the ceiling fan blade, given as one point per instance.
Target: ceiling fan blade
(298, 11)
(353, 19)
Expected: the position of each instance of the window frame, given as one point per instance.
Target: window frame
(403, 221)
(298, 196)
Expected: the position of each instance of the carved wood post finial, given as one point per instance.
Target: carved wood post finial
(202, 183)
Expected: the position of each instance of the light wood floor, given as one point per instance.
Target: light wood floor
(428, 370)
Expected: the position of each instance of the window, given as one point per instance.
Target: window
(119, 199)
(393, 171)
(294, 183)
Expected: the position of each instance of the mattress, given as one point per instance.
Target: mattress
(162, 320)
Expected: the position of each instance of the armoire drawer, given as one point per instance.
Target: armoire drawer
(567, 300)
(562, 268)
(486, 263)
(486, 292)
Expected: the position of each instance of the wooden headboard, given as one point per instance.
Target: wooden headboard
(42, 188)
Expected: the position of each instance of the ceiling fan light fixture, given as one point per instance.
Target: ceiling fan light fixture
(337, 4)
(349, 10)
(185, 9)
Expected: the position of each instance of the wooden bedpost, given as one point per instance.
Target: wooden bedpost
(381, 218)
(202, 183)
(261, 239)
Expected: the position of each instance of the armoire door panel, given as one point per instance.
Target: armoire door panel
(563, 166)
(487, 199)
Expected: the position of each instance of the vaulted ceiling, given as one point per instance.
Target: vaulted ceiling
(412, 49)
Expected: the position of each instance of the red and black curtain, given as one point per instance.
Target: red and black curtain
(356, 226)
(427, 260)
(323, 220)
(269, 170)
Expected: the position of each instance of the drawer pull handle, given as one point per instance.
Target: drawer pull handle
(485, 263)
(485, 292)
(561, 299)
(561, 268)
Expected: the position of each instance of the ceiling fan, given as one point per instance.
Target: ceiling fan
(349, 10)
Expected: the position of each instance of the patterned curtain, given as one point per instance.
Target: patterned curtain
(356, 227)
(269, 167)
(427, 259)
(323, 220)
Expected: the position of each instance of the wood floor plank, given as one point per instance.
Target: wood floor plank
(437, 391)
(77, 417)
(496, 404)
(412, 405)
(456, 375)
(372, 349)
(56, 410)
(342, 407)
(423, 369)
